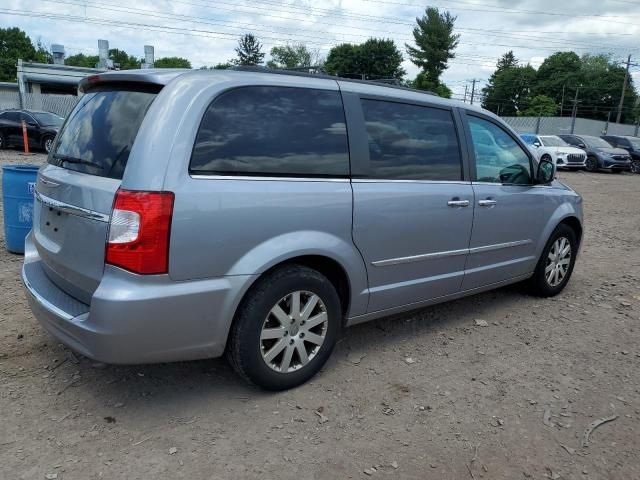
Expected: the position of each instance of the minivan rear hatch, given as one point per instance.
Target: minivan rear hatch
(76, 190)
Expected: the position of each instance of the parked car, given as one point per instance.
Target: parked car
(553, 148)
(42, 128)
(600, 154)
(196, 213)
(630, 144)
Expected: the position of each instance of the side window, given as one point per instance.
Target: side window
(410, 142)
(273, 131)
(499, 159)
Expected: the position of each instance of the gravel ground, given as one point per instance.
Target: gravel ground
(506, 401)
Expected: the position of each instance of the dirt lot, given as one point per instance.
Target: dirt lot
(507, 401)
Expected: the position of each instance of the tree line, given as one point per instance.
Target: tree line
(565, 84)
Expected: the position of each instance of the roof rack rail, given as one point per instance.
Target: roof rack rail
(383, 82)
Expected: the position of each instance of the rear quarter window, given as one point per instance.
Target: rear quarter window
(100, 131)
(274, 131)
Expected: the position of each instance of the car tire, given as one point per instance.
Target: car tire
(546, 157)
(635, 166)
(545, 282)
(47, 143)
(261, 344)
(3, 141)
(591, 164)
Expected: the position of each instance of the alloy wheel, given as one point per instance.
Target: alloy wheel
(558, 261)
(293, 331)
(592, 164)
(48, 143)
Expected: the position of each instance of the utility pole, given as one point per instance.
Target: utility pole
(466, 87)
(562, 101)
(574, 113)
(624, 89)
(473, 90)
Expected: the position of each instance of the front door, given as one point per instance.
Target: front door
(509, 209)
(413, 208)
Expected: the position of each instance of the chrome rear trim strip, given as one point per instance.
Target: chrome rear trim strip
(71, 209)
(449, 253)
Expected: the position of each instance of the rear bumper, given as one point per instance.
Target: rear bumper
(134, 319)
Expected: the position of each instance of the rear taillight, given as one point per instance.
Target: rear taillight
(139, 231)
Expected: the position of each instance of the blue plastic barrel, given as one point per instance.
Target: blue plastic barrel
(18, 185)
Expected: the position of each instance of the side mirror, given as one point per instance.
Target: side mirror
(582, 145)
(32, 124)
(546, 172)
(537, 144)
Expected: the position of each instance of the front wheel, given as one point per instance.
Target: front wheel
(591, 164)
(48, 144)
(3, 141)
(286, 328)
(635, 166)
(555, 266)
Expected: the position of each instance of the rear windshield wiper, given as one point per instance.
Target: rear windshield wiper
(80, 161)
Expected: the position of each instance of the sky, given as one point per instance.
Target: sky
(206, 32)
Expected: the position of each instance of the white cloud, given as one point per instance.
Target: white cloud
(487, 30)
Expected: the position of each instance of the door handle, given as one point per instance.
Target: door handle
(487, 203)
(458, 203)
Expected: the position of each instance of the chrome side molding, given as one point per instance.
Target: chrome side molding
(450, 253)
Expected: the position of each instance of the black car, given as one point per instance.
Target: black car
(600, 154)
(630, 144)
(42, 128)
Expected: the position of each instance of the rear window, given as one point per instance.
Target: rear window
(273, 131)
(99, 133)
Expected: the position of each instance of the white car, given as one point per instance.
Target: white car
(552, 147)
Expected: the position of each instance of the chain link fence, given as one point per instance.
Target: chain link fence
(568, 125)
(58, 104)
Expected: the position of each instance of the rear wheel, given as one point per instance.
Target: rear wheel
(286, 328)
(556, 264)
(591, 164)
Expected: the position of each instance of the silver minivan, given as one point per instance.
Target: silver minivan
(188, 214)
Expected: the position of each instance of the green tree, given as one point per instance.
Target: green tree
(290, 56)
(491, 99)
(510, 90)
(15, 44)
(172, 62)
(222, 66)
(558, 77)
(123, 59)
(540, 106)
(82, 60)
(372, 60)
(435, 44)
(249, 51)
(421, 83)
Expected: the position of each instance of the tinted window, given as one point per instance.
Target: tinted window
(411, 142)
(499, 158)
(12, 116)
(100, 132)
(273, 131)
(48, 119)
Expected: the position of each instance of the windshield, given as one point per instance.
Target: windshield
(529, 139)
(553, 141)
(635, 143)
(98, 135)
(47, 119)
(595, 142)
